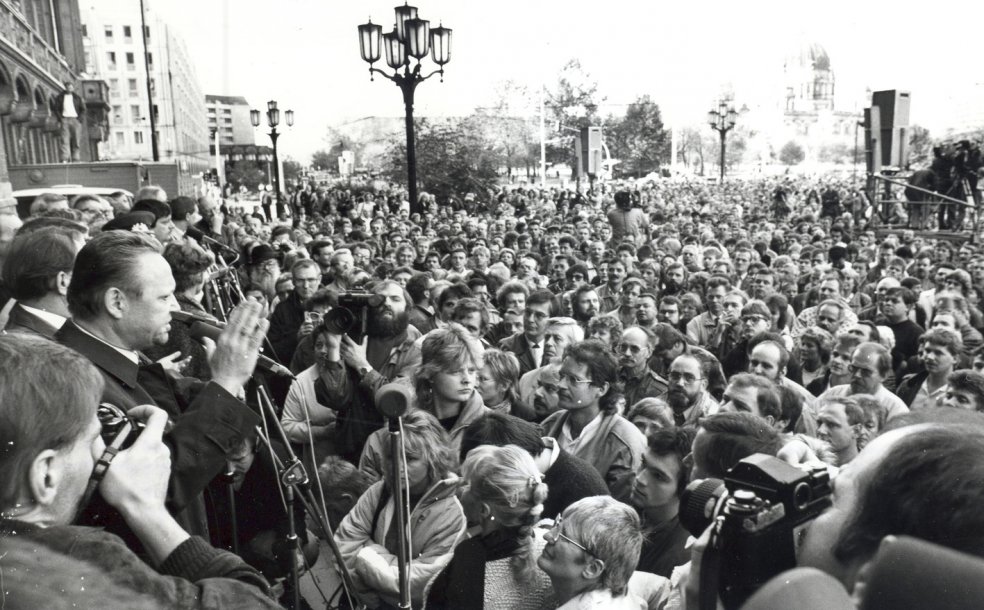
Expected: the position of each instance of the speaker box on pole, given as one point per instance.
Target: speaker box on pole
(894, 108)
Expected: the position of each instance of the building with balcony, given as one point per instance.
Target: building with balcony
(40, 50)
(114, 52)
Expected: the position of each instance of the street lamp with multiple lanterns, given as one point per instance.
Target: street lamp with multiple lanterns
(411, 37)
(722, 120)
(273, 119)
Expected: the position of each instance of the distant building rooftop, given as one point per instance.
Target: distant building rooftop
(230, 100)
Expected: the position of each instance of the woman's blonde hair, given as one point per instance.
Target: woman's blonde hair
(444, 350)
(508, 481)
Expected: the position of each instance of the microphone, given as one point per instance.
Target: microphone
(199, 236)
(201, 326)
(393, 400)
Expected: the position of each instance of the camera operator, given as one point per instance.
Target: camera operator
(50, 451)
(354, 371)
(121, 297)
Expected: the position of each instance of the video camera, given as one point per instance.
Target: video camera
(758, 514)
(351, 315)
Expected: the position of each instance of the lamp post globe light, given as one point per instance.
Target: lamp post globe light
(722, 120)
(412, 37)
(273, 119)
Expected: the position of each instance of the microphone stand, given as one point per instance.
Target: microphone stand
(293, 480)
(401, 505)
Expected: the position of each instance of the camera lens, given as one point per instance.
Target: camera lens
(339, 320)
(698, 504)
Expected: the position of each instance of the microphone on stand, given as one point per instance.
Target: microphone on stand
(200, 326)
(199, 236)
(393, 401)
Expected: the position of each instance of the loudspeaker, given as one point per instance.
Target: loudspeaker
(893, 107)
(590, 150)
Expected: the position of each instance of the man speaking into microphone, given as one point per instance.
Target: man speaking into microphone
(121, 297)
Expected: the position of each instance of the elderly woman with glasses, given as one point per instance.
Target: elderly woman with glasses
(591, 552)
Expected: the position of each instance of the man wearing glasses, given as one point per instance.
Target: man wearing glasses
(591, 552)
(688, 395)
(588, 424)
(870, 364)
(288, 317)
(634, 351)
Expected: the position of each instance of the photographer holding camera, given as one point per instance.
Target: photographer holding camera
(121, 297)
(350, 371)
(51, 449)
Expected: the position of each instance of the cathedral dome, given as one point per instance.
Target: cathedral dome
(809, 55)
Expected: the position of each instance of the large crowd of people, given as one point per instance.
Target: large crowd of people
(571, 362)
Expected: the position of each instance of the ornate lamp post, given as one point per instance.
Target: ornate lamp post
(722, 120)
(411, 37)
(273, 119)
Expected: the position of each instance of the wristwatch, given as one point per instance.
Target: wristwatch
(364, 370)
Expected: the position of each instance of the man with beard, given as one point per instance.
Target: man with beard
(674, 279)
(639, 381)
(585, 304)
(121, 296)
(263, 269)
(287, 324)
(687, 394)
(870, 364)
(390, 350)
(669, 311)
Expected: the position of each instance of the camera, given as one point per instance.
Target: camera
(351, 315)
(116, 422)
(759, 515)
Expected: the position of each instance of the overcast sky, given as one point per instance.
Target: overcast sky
(305, 53)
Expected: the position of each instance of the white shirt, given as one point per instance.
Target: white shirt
(51, 318)
(925, 399)
(571, 444)
(130, 355)
(68, 107)
(536, 349)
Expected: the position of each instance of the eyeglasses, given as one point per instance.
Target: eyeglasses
(567, 378)
(857, 370)
(753, 319)
(554, 533)
(676, 377)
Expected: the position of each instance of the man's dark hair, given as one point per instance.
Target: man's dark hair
(32, 265)
(317, 245)
(48, 397)
(74, 229)
(501, 429)
(732, 437)
(908, 297)
(417, 286)
(932, 472)
(322, 298)
(968, 381)
(674, 441)
(538, 297)
(454, 291)
(602, 367)
(110, 259)
(158, 208)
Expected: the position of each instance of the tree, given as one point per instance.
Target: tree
(452, 159)
(920, 146)
(639, 138)
(292, 172)
(839, 152)
(572, 104)
(245, 173)
(735, 145)
(323, 160)
(508, 123)
(791, 153)
(691, 148)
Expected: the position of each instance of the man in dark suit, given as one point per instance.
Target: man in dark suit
(121, 297)
(37, 271)
(528, 344)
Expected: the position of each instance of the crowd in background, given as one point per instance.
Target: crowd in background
(571, 362)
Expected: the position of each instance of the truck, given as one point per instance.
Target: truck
(173, 177)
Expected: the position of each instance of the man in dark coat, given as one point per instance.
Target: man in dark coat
(121, 297)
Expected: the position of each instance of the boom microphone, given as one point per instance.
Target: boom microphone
(203, 327)
(393, 400)
(199, 236)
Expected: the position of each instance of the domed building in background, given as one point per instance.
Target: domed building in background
(810, 113)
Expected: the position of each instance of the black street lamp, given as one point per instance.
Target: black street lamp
(411, 37)
(722, 120)
(273, 119)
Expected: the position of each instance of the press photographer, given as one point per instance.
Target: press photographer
(49, 453)
(353, 369)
